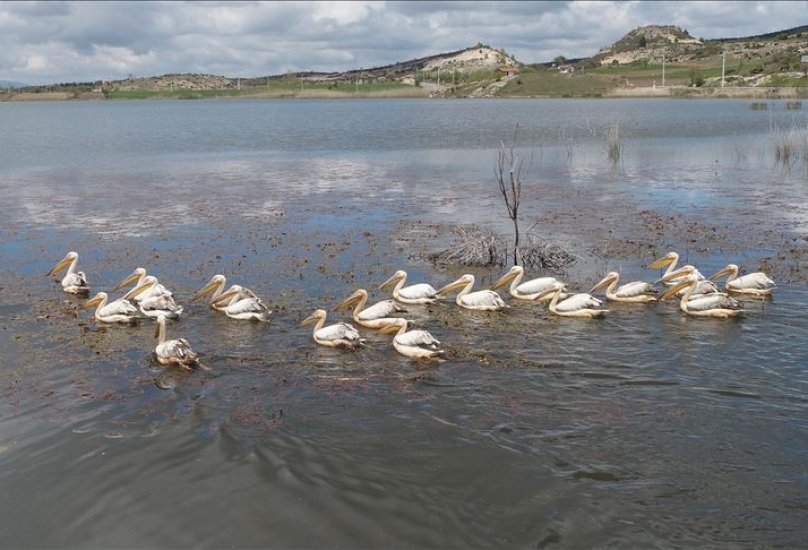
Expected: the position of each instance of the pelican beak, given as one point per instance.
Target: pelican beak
(660, 263)
(452, 286)
(61, 265)
(681, 272)
(309, 320)
(504, 280)
(674, 289)
(394, 279)
(603, 283)
(138, 290)
(205, 290)
(347, 302)
(94, 301)
(130, 279)
(723, 272)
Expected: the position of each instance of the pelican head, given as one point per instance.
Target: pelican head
(512, 274)
(70, 258)
(606, 281)
(353, 299)
(664, 261)
(95, 300)
(395, 278)
(136, 275)
(231, 294)
(731, 270)
(464, 281)
(688, 281)
(148, 282)
(216, 283)
(686, 271)
(314, 317)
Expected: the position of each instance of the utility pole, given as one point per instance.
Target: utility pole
(723, 64)
(663, 69)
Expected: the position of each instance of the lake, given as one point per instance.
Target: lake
(644, 429)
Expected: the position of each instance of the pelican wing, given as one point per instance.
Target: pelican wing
(248, 308)
(536, 286)
(636, 288)
(482, 299)
(152, 306)
(175, 351)
(118, 307)
(704, 286)
(578, 301)
(752, 281)
(339, 332)
(75, 283)
(420, 291)
(418, 338)
(385, 308)
(712, 301)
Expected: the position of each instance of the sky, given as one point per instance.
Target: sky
(54, 42)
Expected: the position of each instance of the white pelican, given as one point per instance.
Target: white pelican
(117, 311)
(534, 289)
(418, 344)
(173, 352)
(707, 305)
(214, 287)
(338, 335)
(756, 284)
(486, 300)
(137, 277)
(240, 303)
(577, 305)
(375, 316)
(703, 286)
(637, 291)
(153, 305)
(671, 259)
(421, 293)
(74, 282)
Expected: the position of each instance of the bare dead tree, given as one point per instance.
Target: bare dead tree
(510, 174)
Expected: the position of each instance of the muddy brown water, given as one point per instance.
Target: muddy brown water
(643, 429)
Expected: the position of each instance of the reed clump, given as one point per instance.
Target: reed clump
(613, 143)
(758, 106)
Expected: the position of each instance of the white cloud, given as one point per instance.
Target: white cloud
(50, 42)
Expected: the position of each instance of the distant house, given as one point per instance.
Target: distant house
(566, 69)
(510, 71)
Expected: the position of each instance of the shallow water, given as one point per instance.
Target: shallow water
(643, 429)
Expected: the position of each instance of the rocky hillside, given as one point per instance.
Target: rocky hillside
(781, 51)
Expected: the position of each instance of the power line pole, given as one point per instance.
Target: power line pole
(723, 64)
(663, 69)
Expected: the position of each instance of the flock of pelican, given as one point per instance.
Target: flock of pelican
(698, 296)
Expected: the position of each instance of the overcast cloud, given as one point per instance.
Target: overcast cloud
(52, 42)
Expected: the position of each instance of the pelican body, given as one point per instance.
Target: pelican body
(636, 291)
(671, 259)
(484, 300)
(173, 352)
(755, 284)
(534, 289)
(74, 282)
(417, 344)
(375, 316)
(117, 311)
(215, 288)
(707, 305)
(240, 303)
(151, 303)
(578, 305)
(421, 293)
(337, 335)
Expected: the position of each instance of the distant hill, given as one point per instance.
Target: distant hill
(12, 84)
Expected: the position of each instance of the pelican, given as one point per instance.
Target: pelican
(421, 293)
(708, 305)
(153, 304)
(637, 291)
(534, 289)
(755, 284)
(173, 352)
(577, 305)
(137, 277)
(74, 282)
(117, 311)
(338, 335)
(703, 286)
(486, 300)
(215, 288)
(375, 316)
(417, 344)
(240, 303)
(671, 259)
